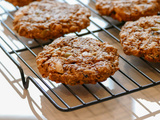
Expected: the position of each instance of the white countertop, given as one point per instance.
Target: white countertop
(16, 103)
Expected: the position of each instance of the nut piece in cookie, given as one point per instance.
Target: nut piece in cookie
(142, 38)
(128, 10)
(21, 2)
(49, 19)
(77, 60)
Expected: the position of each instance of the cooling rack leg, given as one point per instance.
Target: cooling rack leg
(25, 83)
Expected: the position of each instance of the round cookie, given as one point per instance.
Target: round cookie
(76, 60)
(21, 2)
(142, 38)
(49, 19)
(128, 10)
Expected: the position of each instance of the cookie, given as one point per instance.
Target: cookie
(49, 19)
(21, 2)
(128, 10)
(142, 38)
(76, 60)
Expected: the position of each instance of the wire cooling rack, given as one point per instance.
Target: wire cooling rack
(135, 77)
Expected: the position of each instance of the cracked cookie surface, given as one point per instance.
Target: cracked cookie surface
(49, 19)
(142, 38)
(77, 60)
(128, 10)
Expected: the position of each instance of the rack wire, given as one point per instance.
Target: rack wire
(151, 81)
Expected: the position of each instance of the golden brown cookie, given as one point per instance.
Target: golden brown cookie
(142, 38)
(21, 2)
(49, 19)
(77, 60)
(128, 10)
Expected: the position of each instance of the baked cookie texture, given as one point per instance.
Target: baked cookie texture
(21, 2)
(76, 60)
(142, 38)
(128, 10)
(49, 19)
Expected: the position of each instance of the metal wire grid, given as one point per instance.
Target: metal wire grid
(82, 104)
